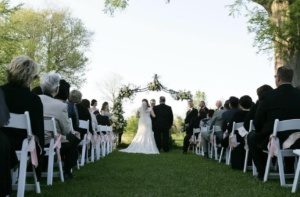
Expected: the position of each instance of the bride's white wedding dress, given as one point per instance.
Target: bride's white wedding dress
(143, 141)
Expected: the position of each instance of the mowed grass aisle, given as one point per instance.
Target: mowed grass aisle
(167, 174)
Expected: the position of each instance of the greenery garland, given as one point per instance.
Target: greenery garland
(126, 92)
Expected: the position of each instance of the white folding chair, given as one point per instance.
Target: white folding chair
(196, 143)
(103, 143)
(214, 145)
(50, 126)
(110, 138)
(84, 124)
(235, 126)
(201, 151)
(281, 126)
(253, 167)
(72, 130)
(296, 178)
(22, 121)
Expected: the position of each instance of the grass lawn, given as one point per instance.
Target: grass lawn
(167, 174)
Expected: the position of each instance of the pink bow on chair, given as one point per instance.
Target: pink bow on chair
(273, 145)
(32, 150)
(57, 145)
(94, 140)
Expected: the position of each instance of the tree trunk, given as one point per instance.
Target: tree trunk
(279, 14)
(295, 65)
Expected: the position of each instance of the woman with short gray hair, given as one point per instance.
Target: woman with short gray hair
(50, 83)
(58, 109)
(20, 73)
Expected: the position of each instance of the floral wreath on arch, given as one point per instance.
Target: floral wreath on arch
(127, 92)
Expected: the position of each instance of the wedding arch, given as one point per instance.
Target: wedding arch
(128, 92)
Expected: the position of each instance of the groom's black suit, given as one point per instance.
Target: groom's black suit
(162, 124)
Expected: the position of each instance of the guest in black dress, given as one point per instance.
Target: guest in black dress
(20, 74)
(5, 151)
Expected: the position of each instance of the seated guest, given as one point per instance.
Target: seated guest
(6, 152)
(74, 98)
(217, 120)
(238, 153)
(261, 92)
(281, 103)
(94, 104)
(205, 133)
(20, 74)
(58, 109)
(103, 117)
(84, 114)
(227, 118)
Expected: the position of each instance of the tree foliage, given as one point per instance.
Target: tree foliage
(132, 124)
(276, 24)
(53, 38)
(199, 96)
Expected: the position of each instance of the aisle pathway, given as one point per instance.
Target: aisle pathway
(167, 174)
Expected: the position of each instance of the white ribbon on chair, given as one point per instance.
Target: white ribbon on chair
(57, 146)
(273, 145)
(233, 140)
(32, 150)
(94, 140)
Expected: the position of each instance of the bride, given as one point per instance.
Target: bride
(143, 141)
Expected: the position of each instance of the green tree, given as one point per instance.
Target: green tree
(199, 96)
(54, 39)
(132, 124)
(177, 125)
(276, 24)
(8, 42)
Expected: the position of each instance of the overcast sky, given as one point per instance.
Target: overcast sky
(190, 44)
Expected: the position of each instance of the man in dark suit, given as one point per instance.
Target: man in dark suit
(163, 123)
(190, 122)
(281, 103)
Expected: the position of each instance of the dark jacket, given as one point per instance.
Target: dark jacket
(191, 120)
(18, 100)
(164, 117)
(84, 114)
(73, 114)
(282, 103)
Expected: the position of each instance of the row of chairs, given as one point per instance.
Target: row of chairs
(279, 126)
(101, 145)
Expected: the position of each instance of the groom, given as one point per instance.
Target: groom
(162, 124)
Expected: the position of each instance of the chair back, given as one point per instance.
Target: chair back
(71, 124)
(49, 125)
(251, 126)
(216, 128)
(109, 128)
(20, 121)
(237, 125)
(102, 128)
(285, 125)
(84, 124)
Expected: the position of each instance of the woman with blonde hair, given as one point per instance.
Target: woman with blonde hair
(20, 73)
